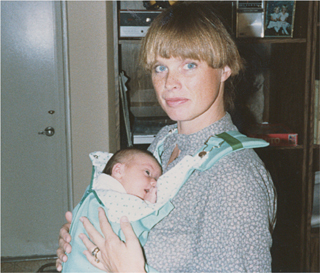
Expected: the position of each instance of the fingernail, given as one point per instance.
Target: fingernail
(81, 219)
(124, 219)
(81, 236)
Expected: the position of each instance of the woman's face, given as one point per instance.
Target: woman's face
(190, 91)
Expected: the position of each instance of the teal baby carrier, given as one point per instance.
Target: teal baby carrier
(168, 185)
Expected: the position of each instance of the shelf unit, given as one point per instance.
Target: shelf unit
(288, 67)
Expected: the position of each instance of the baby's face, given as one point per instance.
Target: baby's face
(140, 177)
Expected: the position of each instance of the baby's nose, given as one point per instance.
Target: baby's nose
(153, 182)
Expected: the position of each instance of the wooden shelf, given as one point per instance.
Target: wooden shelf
(271, 40)
(129, 41)
(298, 147)
(239, 40)
(286, 69)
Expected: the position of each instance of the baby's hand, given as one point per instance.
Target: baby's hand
(151, 196)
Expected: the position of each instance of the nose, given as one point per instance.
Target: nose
(172, 81)
(153, 182)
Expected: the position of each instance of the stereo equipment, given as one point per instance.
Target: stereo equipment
(250, 19)
(135, 23)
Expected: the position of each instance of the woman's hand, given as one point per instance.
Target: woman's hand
(64, 242)
(114, 255)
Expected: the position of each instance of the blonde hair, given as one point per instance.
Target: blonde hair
(191, 30)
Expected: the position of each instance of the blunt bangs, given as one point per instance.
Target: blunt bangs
(182, 35)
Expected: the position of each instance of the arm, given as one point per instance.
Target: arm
(234, 231)
(114, 255)
(273, 17)
(64, 242)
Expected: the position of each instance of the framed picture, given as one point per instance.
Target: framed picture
(279, 18)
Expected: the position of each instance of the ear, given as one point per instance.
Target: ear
(118, 171)
(226, 72)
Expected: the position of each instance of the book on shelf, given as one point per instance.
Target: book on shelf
(275, 134)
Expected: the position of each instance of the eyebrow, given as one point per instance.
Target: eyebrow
(151, 166)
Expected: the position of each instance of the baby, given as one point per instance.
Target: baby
(132, 171)
(129, 172)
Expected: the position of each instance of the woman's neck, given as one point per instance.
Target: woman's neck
(192, 126)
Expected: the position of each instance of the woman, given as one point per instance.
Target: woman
(222, 216)
(284, 15)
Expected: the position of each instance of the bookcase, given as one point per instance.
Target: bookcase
(281, 76)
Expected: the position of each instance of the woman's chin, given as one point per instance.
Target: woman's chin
(176, 115)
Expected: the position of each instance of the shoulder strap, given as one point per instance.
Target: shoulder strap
(217, 146)
(222, 144)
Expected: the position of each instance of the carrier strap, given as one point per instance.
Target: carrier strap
(232, 141)
(218, 146)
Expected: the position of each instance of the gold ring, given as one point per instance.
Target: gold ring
(95, 253)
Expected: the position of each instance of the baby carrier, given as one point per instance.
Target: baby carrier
(144, 216)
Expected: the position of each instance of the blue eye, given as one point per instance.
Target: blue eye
(190, 65)
(160, 68)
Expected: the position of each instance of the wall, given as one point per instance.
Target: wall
(90, 42)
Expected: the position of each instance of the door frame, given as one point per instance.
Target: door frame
(61, 22)
(64, 27)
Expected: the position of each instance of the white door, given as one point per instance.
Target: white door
(34, 180)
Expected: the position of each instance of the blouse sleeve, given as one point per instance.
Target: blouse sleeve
(234, 233)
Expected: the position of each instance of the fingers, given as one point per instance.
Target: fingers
(89, 245)
(92, 259)
(61, 254)
(58, 265)
(64, 246)
(64, 240)
(88, 253)
(68, 216)
(128, 232)
(109, 233)
(94, 235)
(105, 225)
(64, 233)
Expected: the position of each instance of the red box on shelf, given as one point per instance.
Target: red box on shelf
(275, 134)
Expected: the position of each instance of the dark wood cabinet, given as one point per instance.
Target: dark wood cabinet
(287, 68)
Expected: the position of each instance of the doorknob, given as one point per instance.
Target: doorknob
(49, 131)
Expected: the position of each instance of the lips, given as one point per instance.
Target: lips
(173, 102)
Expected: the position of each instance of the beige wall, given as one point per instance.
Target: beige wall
(90, 43)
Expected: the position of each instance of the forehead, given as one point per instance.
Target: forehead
(144, 159)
